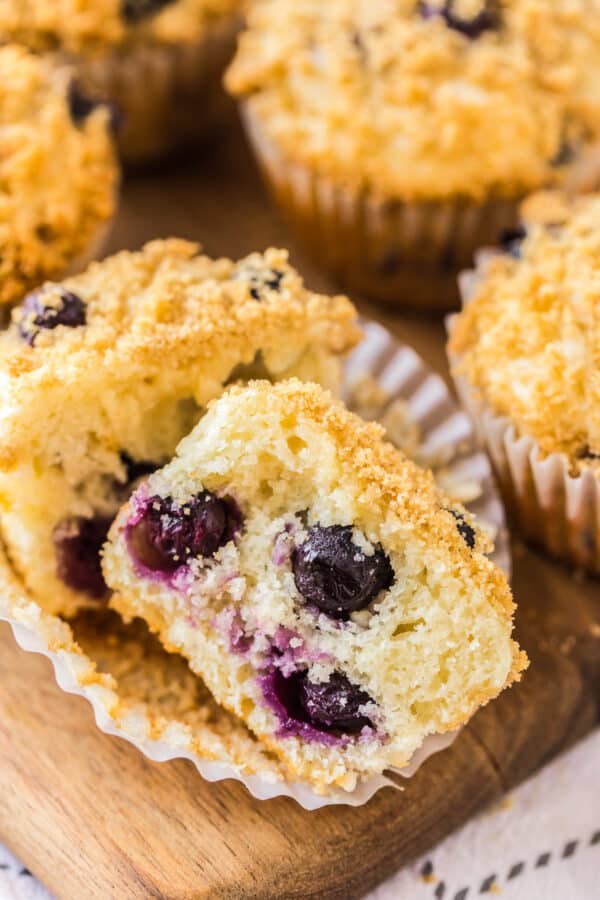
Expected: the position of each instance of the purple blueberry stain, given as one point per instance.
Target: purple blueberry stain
(77, 545)
(164, 535)
(487, 19)
(335, 575)
(329, 712)
(283, 545)
(47, 308)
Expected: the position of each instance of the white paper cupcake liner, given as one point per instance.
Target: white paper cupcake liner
(403, 253)
(383, 379)
(168, 95)
(550, 507)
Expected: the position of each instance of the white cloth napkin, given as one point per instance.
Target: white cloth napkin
(542, 842)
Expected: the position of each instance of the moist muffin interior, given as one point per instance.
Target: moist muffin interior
(318, 582)
(103, 374)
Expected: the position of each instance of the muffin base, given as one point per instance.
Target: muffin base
(169, 96)
(552, 509)
(404, 254)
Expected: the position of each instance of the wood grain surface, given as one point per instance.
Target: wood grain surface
(92, 818)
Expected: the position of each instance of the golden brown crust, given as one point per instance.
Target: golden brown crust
(92, 28)
(376, 94)
(58, 178)
(159, 318)
(529, 338)
(340, 470)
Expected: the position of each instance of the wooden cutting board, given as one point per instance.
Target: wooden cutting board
(92, 818)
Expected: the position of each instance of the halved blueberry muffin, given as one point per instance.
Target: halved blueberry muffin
(319, 582)
(58, 174)
(102, 375)
(398, 136)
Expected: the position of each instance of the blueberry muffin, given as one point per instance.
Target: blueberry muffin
(399, 135)
(325, 590)
(159, 61)
(58, 175)
(526, 354)
(104, 373)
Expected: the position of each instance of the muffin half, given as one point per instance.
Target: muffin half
(322, 586)
(103, 374)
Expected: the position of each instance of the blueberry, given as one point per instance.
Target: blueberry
(137, 10)
(464, 529)
(169, 534)
(487, 19)
(510, 240)
(308, 708)
(259, 281)
(335, 575)
(81, 105)
(77, 545)
(334, 703)
(48, 308)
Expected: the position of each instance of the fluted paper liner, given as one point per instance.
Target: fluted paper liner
(404, 253)
(168, 94)
(384, 380)
(552, 508)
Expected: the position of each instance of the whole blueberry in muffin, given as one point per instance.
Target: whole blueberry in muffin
(47, 308)
(336, 575)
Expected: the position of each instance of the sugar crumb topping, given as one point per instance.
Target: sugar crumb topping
(379, 93)
(58, 178)
(529, 339)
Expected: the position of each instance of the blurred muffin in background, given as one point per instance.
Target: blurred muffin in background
(526, 357)
(398, 136)
(58, 174)
(160, 62)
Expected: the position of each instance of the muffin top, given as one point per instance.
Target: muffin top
(529, 338)
(426, 100)
(90, 28)
(58, 174)
(136, 330)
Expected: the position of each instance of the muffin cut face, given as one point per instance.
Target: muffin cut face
(58, 173)
(103, 375)
(317, 581)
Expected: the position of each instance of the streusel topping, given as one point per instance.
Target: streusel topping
(426, 99)
(529, 339)
(140, 329)
(88, 28)
(58, 175)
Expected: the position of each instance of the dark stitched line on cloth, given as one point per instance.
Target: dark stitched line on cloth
(569, 850)
(486, 885)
